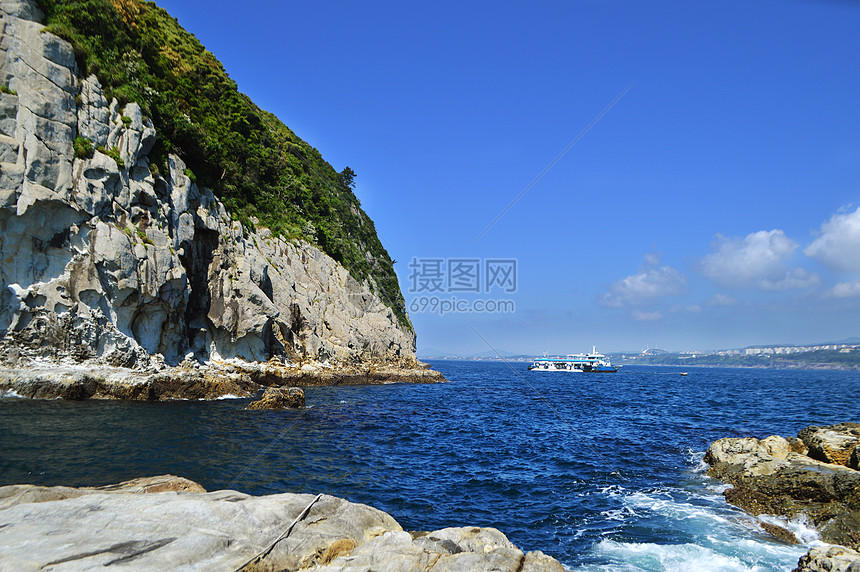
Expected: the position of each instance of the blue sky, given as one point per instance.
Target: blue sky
(715, 205)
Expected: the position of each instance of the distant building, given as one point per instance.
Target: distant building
(652, 352)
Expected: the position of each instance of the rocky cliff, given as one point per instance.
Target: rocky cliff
(106, 259)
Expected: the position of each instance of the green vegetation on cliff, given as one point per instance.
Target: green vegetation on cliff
(256, 165)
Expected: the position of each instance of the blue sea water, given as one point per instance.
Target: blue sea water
(602, 471)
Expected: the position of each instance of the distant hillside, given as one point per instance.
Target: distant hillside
(254, 163)
(823, 359)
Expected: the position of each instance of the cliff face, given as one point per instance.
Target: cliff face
(101, 258)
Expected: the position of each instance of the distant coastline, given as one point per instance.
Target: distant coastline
(841, 355)
(814, 360)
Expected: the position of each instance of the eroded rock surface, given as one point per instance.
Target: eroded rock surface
(835, 444)
(105, 259)
(829, 559)
(280, 398)
(167, 523)
(780, 476)
(80, 382)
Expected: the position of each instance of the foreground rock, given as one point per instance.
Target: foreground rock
(280, 398)
(829, 559)
(809, 476)
(166, 523)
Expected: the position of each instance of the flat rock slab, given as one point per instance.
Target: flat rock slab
(308, 376)
(166, 523)
(102, 382)
(46, 380)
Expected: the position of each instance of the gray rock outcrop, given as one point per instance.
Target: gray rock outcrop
(167, 523)
(834, 444)
(785, 477)
(280, 398)
(829, 559)
(105, 260)
(79, 382)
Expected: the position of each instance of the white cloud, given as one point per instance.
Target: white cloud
(838, 245)
(846, 290)
(793, 278)
(757, 261)
(651, 282)
(646, 316)
(652, 259)
(722, 300)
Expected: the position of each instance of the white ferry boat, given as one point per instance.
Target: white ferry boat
(586, 363)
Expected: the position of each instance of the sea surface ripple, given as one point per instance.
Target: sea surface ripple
(602, 471)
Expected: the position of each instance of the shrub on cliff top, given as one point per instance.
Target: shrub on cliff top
(254, 163)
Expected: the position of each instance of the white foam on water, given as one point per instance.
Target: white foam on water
(719, 488)
(662, 503)
(613, 490)
(228, 396)
(10, 393)
(697, 460)
(631, 556)
(619, 514)
(778, 553)
(718, 537)
(799, 526)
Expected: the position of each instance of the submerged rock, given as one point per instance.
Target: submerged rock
(280, 398)
(166, 523)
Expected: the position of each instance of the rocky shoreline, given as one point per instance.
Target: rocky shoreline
(169, 523)
(814, 477)
(115, 264)
(190, 380)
